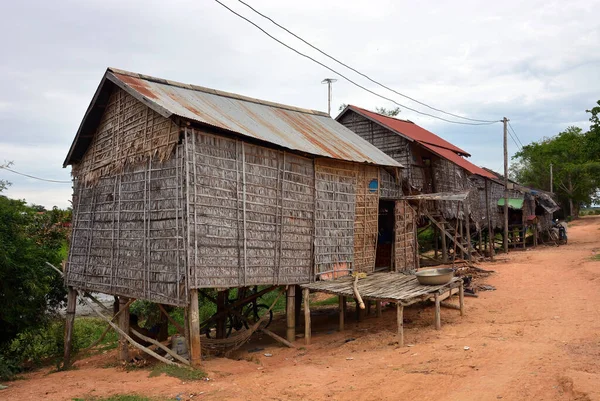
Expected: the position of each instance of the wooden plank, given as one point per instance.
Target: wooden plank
(194, 346)
(69, 323)
(307, 327)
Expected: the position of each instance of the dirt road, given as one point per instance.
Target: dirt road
(537, 337)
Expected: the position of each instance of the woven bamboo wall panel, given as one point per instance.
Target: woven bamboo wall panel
(129, 132)
(251, 212)
(334, 217)
(405, 241)
(366, 218)
(128, 234)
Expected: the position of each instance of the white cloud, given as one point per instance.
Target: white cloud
(535, 62)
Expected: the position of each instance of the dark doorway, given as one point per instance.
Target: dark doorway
(385, 236)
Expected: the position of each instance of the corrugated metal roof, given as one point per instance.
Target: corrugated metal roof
(408, 129)
(293, 128)
(458, 160)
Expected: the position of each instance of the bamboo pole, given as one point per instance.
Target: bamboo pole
(161, 346)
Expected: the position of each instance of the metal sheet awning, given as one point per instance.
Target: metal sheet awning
(441, 196)
(513, 203)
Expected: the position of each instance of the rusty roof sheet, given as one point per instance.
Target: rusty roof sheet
(458, 160)
(293, 128)
(408, 129)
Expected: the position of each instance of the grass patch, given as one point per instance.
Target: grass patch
(185, 374)
(596, 257)
(334, 300)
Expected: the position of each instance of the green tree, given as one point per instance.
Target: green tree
(576, 174)
(29, 290)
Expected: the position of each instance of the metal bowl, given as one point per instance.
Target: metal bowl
(435, 276)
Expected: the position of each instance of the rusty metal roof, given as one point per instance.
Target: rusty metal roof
(407, 129)
(307, 131)
(458, 160)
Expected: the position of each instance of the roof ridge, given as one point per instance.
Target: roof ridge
(216, 92)
(382, 115)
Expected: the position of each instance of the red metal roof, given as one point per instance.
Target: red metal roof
(409, 129)
(458, 160)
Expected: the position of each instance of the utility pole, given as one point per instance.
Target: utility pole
(328, 81)
(551, 179)
(505, 121)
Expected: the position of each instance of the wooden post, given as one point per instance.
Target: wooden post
(368, 305)
(438, 319)
(468, 230)
(400, 322)
(123, 325)
(489, 221)
(444, 247)
(480, 242)
(299, 302)
(461, 297)
(342, 311)
(461, 233)
(307, 328)
(69, 323)
(436, 233)
(290, 313)
(194, 346)
(378, 308)
(535, 235)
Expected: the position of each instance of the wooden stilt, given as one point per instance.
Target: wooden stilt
(438, 320)
(461, 298)
(69, 323)
(194, 345)
(290, 313)
(299, 302)
(378, 308)
(368, 305)
(436, 233)
(468, 230)
(307, 328)
(535, 235)
(124, 326)
(342, 311)
(481, 243)
(489, 221)
(400, 322)
(444, 247)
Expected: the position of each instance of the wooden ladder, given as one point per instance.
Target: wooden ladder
(461, 242)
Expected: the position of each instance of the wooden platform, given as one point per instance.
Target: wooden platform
(401, 289)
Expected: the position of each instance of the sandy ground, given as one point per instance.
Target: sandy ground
(537, 337)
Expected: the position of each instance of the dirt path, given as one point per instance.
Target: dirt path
(537, 337)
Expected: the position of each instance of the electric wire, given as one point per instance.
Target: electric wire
(346, 78)
(513, 130)
(360, 73)
(34, 177)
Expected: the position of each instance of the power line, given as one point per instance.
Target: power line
(346, 78)
(35, 178)
(513, 130)
(513, 138)
(360, 73)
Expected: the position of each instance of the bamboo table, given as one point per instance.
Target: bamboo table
(403, 290)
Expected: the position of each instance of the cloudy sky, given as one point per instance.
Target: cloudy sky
(535, 62)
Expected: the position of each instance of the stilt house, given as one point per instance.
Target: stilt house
(179, 187)
(432, 166)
